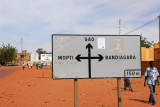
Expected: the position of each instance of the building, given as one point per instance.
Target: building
(147, 54)
(156, 52)
(46, 58)
(34, 57)
(23, 57)
(150, 54)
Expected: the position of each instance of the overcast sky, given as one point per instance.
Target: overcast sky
(36, 20)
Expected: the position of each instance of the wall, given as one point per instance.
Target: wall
(156, 52)
(147, 54)
(150, 54)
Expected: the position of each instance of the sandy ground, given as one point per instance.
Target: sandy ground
(5, 71)
(36, 88)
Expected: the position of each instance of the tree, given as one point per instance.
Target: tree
(146, 43)
(40, 51)
(7, 53)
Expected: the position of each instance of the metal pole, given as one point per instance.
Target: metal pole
(119, 92)
(119, 79)
(119, 26)
(75, 92)
(159, 38)
(159, 28)
(43, 72)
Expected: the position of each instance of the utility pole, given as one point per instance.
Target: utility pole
(159, 37)
(21, 44)
(119, 79)
(119, 26)
(159, 28)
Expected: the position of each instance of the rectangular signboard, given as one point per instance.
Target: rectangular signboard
(46, 58)
(95, 56)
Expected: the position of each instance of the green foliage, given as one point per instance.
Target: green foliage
(146, 43)
(7, 53)
(41, 51)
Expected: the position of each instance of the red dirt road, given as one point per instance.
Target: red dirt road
(5, 71)
(29, 88)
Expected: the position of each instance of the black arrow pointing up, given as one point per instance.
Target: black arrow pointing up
(78, 57)
(89, 46)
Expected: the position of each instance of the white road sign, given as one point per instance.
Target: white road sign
(96, 56)
(46, 58)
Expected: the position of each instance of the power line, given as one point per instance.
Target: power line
(142, 26)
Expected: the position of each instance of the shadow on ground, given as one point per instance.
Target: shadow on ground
(143, 101)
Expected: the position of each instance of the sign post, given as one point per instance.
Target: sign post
(159, 38)
(96, 56)
(75, 92)
(43, 71)
(119, 92)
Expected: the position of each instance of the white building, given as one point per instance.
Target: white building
(34, 57)
(46, 58)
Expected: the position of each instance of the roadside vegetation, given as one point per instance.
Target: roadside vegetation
(7, 54)
(146, 43)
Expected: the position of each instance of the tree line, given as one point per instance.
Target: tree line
(8, 52)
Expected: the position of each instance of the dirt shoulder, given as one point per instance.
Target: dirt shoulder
(7, 70)
(36, 88)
